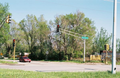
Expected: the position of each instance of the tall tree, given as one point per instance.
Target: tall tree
(76, 23)
(29, 27)
(36, 33)
(4, 29)
(101, 39)
(17, 34)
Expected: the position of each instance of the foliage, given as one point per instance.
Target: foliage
(118, 45)
(4, 28)
(76, 23)
(36, 35)
(77, 54)
(101, 39)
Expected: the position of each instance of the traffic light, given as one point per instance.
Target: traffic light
(107, 47)
(58, 28)
(1, 54)
(8, 20)
(13, 42)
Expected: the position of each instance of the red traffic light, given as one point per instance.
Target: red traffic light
(58, 26)
(13, 40)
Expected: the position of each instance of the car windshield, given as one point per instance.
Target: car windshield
(25, 57)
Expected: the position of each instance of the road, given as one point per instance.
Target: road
(41, 66)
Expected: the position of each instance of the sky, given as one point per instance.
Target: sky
(99, 11)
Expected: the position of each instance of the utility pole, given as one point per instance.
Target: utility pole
(14, 54)
(114, 38)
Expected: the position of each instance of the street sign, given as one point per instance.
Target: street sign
(84, 46)
(84, 37)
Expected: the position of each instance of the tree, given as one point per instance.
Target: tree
(77, 23)
(4, 30)
(101, 39)
(118, 45)
(28, 26)
(36, 34)
(17, 34)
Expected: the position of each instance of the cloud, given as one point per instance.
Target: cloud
(110, 1)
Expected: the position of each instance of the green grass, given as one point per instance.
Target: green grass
(79, 61)
(118, 63)
(73, 61)
(12, 59)
(7, 62)
(9, 73)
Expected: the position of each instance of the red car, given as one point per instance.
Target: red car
(24, 59)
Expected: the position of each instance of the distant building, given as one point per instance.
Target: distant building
(25, 54)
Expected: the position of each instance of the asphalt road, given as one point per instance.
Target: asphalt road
(41, 66)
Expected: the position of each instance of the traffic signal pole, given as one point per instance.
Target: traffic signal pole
(14, 53)
(106, 58)
(14, 45)
(114, 39)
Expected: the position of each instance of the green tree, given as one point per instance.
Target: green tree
(28, 26)
(76, 23)
(36, 35)
(101, 39)
(17, 34)
(4, 29)
(118, 45)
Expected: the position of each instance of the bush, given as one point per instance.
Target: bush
(77, 54)
(53, 56)
(66, 57)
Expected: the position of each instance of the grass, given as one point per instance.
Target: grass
(73, 61)
(79, 61)
(7, 62)
(12, 59)
(10, 73)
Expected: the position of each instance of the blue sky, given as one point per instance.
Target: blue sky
(99, 11)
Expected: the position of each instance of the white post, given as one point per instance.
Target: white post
(114, 39)
(84, 50)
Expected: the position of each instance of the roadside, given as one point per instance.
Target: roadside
(7, 62)
(11, 62)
